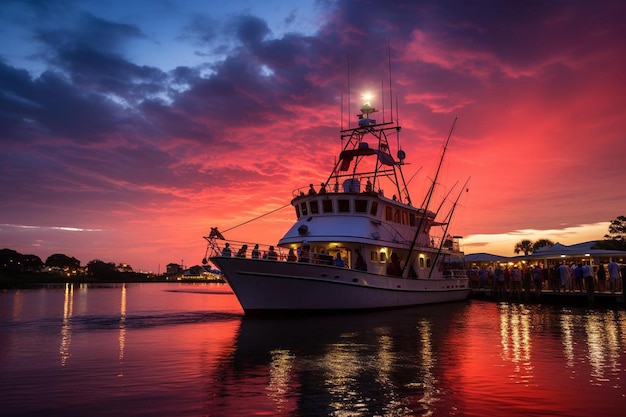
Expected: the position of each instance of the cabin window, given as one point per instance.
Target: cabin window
(405, 217)
(327, 206)
(388, 213)
(428, 263)
(383, 257)
(421, 262)
(360, 206)
(343, 206)
(374, 208)
(374, 256)
(412, 219)
(396, 215)
(297, 211)
(314, 208)
(304, 209)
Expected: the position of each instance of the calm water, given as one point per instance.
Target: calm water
(187, 350)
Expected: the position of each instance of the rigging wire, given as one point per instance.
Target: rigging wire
(256, 218)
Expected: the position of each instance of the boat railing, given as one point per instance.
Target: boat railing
(271, 252)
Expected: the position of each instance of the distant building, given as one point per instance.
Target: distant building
(173, 269)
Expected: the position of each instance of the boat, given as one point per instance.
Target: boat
(357, 243)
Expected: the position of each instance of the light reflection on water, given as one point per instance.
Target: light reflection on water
(187, 350)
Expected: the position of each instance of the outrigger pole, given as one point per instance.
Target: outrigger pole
(449, 219)
(427, 199)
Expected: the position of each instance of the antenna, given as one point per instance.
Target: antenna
(443, 154)
(390, 90)
(341, 112)
(349, 96)
(382, 98)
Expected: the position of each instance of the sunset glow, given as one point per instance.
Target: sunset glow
(129, 129)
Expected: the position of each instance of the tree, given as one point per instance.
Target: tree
(542, 243)
(13, 261)
(32, 263)
(617, 229)
(62, 261)
(616, 238)
(525, 246)
(101, 270)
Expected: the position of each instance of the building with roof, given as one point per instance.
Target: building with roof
(585, 252)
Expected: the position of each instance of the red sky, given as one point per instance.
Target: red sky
(128, 130)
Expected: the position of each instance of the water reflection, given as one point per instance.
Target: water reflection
(122, 326)
(515, 339)
(187, 351)
(66, 325)
(351, 365)
(598, 330)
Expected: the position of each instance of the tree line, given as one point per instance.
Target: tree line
(14, 263)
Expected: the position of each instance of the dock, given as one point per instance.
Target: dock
(549, 297)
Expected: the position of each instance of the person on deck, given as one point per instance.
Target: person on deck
(305, 252)
(312, 190)
(394, 266)
(226, 251)
(338, 261)
(291, 256)
(272, 255)
(255, 252)
(360, 262)
(241, 253)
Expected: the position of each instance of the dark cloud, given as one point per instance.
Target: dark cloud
(251, 29)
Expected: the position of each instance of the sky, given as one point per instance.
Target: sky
(129, 129)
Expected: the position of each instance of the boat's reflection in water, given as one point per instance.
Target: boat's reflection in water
(354, 364)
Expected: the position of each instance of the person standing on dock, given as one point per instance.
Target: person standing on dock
(613, 275)
(516, 281)
(499, 280)
(564, 276)
(482, 277)
(578, 276)
(589, 280)
(538, 278)
(601, 274)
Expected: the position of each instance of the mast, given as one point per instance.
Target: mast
(427, 199)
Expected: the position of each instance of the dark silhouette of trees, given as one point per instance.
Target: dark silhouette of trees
(59, 260)
(616, 238)
(525, 246)
(16, 268)
(102, 270)
(13, 261)
(542, 243)
(528, 246)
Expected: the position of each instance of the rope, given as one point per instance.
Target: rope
(256, 218)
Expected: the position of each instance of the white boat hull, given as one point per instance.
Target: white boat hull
(264, 286)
